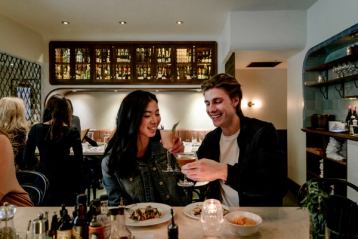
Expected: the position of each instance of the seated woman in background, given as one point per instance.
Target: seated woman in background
(13, 122)
(10, 189)
(54, 139)
(133, 166)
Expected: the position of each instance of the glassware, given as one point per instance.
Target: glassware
(211, 218)
(7, 228)
(167, 137)
(182, 159)
(119, 230)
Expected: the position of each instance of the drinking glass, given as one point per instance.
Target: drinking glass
(211, 218)
(182, 159)
(167, 137)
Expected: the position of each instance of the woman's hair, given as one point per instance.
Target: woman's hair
(57, 110)
(13, 121)
(124, 141)
(227, 83)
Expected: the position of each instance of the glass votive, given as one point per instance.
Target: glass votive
(212, 218)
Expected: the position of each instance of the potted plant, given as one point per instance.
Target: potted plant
(313, 195)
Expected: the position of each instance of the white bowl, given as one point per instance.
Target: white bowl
(242, 230)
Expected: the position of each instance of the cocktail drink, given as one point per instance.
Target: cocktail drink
(167, 137)
(182, 159)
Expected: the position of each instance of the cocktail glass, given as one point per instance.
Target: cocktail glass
(167, 137)
(182, 159)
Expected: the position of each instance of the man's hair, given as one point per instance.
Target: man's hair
(227, 83)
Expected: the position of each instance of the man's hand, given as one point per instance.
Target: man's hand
(205, 170)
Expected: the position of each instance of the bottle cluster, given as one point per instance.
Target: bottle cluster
(351, 118)
(94, 221)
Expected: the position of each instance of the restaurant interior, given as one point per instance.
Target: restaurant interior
(283, 52)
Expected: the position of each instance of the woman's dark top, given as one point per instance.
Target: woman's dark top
(61, 168)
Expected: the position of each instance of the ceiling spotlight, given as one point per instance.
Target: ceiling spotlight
(122, 22)
(65, 22)
(180, 22)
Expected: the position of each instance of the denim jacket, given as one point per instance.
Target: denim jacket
(151, 184)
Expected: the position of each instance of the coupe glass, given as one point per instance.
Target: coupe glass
(182, 159)
(167, 137)
(212, 218)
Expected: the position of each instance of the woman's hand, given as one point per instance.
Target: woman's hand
(178, 146)
(205, 170)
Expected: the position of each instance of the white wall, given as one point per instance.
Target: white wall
(268, 30)
(324, 19)
(99, 110)
(19, 41)
(268, 88)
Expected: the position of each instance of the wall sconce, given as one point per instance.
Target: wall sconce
(250, 104)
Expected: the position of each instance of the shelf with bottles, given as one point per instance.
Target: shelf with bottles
(132, 62)
(122, 66)
(203, 62)
(184, 63)
(62, 63)
(343, 135)
(333, 62)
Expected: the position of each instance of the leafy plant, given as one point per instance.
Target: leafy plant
(314, 195)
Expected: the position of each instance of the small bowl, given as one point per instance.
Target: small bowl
(242, 230)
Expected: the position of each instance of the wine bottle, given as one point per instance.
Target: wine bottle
(80, 226)
(64, 230)
(173, 232)
(348, 117)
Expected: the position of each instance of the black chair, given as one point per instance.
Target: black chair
(340, 212)
(35, 183)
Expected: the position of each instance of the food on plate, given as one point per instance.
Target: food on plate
(244, 221)
(141, 214)
(197, 210)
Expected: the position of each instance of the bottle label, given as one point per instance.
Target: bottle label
(65, 234)
(96, 232)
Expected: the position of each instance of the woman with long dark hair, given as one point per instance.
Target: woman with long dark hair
(133, 166)
(54, 138)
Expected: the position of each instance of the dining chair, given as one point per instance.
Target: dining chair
(35, 183)
(340, 212)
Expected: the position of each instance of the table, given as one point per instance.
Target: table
(93, 157)
(278, 223)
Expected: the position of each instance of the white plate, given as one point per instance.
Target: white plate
(162, 208)
(199, 184)
(338, 130)
(188, 210)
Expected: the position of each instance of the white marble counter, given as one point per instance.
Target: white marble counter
(278, 223)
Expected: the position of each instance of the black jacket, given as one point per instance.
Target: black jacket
(259, 176)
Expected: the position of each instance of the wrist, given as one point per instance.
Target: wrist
(223, 172)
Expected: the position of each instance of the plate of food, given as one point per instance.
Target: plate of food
(193, 210)
(147, 214)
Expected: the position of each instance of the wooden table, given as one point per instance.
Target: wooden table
(278, 223)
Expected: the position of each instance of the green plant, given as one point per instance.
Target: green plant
(313, 197)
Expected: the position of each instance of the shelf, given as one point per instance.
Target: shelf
(329, 65)
(135, 62)
(320, 152)
(340, 162)
(316, 151)
(331, 82)
(331, 134)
